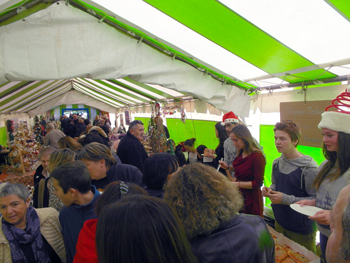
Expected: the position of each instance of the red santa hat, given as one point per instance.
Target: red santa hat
(338, 120)
(229, 117)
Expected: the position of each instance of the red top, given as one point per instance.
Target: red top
(251, 169)
(86, 245)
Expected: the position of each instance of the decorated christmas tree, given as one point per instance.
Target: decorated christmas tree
(157, 134)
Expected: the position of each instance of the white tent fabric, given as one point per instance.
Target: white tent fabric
(62, 42)
(71, 97)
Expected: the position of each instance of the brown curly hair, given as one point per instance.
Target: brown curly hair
(202, 198)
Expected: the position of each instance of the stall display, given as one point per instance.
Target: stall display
(24, 149)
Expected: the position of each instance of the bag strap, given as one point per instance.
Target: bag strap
(41, 191)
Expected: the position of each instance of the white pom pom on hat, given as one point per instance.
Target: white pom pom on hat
(337, 120)
(229, 117)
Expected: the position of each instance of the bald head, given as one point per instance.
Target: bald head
(50, 127)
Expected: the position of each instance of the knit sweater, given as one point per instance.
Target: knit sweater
(309, 172)
(328, 192)
(50, 229)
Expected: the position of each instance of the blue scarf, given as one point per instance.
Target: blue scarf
(31, 234)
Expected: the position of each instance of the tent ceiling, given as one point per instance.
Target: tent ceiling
(245, 44)
(254, 41)
(19, 96)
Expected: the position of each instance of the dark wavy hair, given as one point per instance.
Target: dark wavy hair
(157, 168)
(141, 229)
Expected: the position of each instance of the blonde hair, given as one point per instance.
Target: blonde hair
(96, 151)
(59, 157)
(69, 142)
(203, 198)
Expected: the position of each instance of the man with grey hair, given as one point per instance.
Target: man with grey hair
(52, 136)
(338, 245)
(130, 149)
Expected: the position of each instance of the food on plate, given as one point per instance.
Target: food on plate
(280, 253)
(297, 257)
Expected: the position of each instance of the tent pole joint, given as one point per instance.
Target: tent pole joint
(101, 20)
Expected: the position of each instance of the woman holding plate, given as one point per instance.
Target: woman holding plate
(334, 172)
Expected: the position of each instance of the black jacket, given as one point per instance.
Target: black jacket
(71, 130)
(96, 134)
(37, 177)
(81, 127)
(131, 151)
(245, 239)
(119, 172)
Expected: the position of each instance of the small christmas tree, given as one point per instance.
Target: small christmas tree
(158, 138)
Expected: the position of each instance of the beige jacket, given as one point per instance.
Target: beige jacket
(50, 228)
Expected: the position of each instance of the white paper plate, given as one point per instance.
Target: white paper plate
(306, 209)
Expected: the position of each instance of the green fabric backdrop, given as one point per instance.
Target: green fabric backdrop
(203, 131)
(3, 137)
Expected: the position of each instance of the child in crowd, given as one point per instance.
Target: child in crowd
(292, 177)
(192, 151)
(72, 183)
(178, 152)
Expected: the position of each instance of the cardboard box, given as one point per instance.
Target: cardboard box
(282, 240)
(308, 116)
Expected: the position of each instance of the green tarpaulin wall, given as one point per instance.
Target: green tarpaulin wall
(3, 137)
(204, 132)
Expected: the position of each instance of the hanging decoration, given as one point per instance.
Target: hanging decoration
(183, 114)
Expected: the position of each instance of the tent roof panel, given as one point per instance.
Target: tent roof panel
(185, 47)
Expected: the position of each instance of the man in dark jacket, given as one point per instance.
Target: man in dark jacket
(96, 134)
(104, 168)
(71, 130)
(64, 123)
(130, 149)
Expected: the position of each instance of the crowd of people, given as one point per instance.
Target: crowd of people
(100, 202)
